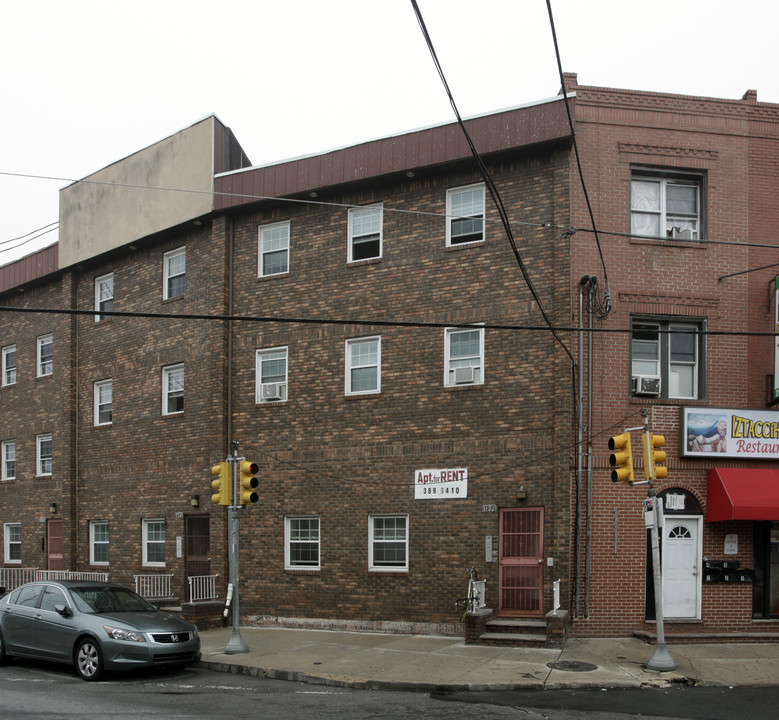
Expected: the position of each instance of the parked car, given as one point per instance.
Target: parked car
(94, 626)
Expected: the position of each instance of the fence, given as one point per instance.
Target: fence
(153, 586)
(202, 587)
(11, 578)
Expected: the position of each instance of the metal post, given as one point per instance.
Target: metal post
(236, 644)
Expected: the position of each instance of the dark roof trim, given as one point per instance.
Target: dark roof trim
(29, 268)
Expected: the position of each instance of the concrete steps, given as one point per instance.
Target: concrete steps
(514, 632)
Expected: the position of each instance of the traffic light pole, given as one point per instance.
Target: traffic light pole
(236, 644)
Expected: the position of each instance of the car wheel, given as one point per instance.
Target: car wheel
(4, 656)
(89, 660)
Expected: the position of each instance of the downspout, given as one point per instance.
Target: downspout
(230, 250)
(588, 559)
(580, 392)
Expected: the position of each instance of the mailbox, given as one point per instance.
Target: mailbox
(738, 576)
(712, 575)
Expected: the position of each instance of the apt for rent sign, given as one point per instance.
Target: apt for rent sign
(441, 484)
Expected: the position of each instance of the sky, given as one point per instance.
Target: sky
(84, 83)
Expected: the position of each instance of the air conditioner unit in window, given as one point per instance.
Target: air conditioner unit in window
(646, 385)
(686, 234)
(271, 391)
(463, 375)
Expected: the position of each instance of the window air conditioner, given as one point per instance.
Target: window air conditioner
(463, 375)
(646, 385)
(271, 391)
(686, 234)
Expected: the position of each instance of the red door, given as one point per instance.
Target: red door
(521, 576)
(54, 555)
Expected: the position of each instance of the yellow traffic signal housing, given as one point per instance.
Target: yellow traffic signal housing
(222, 485)
(248, 482)
(654, 454)
(621, 458)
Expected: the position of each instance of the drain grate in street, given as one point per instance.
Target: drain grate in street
(572, 666)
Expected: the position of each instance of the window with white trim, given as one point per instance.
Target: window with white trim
(154, 542)
(12, 543)
(43, 454)
(174, 269)
(8, 460)
(365, 232)
(301, 543)
(45, 355)
(98, 542)
(463, 356)
(363, 366)
(173, 389)
(9, 365)
(665, 205)
(271, 375)
(388, 543)
(104, 402)
(104, 295)
(273, 249)
(465, 215)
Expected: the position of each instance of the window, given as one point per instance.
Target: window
(104, 295)
(8, 471)
(104, 396)
(271, 385)
(43, 454)
(301, 547)
(9, 365)
(45, 355)
(665, 206)
(174, 266)
(388, 543)
(98, 542)
(154, 542)
(463, 357)
(273, 249)
(666, 358)
(12, 543)
(365, 232)
(465, 215)
(363, 366)
(173, 389)
(52, 596)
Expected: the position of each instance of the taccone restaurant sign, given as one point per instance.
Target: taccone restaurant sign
(718, 432)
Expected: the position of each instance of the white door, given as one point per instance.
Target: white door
(681, 567)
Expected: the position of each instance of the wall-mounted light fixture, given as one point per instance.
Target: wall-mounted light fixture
(194, 500)
(53, 508)
(521, 493)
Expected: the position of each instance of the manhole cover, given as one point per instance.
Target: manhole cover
(572, 666)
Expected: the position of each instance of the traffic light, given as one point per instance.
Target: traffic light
(222, 485)
(621, 458)
(248, 482)
(653, 454)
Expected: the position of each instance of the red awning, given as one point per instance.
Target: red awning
(739, 494)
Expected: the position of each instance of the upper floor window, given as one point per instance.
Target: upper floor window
(388, 543)
(464, 356)
(9, 365)
(98, 542)
(365, 232)
(465, 215)
(273, 249)
(154, 542)
(665, 206)
(104, 402)
(8, 470)
(301, 547)
(174, 267)
(271, 374)
(173, 389)
(12, 543)
(363, 366)
(104, 295)
(45, 355)
(666, 358)
(43, 455)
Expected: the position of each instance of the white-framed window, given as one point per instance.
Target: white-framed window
(301, 543)
(365, 232)
(174, 269)
(104, 295)
(463, 356)
(45, 355)
(363, 366)
(666, 358)
(98, 542)
(9, 365)
(154, 542)
(104, 402)
(465, 215)
(43, 454)
(8, 470)
(271, 375)
(173, 389)
(665, 206)
(273, 249)
(12, 543)
(388, 543)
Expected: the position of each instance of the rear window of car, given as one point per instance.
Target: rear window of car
(26, 595)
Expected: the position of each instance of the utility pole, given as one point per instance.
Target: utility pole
(236, 644)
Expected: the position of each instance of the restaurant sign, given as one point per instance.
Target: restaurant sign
(441, 484)
(747, 434)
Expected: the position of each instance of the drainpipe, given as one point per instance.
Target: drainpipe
(580, 392)
(588, 558)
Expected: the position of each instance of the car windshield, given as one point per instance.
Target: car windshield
(109, 600)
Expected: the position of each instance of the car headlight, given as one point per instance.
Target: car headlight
(123, 634)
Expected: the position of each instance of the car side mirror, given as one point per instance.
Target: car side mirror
(63, 610)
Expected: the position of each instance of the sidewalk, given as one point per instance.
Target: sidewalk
(436, 663)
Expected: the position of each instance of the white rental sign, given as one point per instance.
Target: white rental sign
(442, 484)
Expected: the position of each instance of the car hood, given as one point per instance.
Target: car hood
(149, 621)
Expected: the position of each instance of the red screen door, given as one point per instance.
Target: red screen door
(521, 557)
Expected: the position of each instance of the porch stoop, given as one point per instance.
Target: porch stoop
(482, 628)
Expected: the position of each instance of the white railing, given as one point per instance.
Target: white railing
(202, 587)
(153, 586)
(70, 575)
(11, 578)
